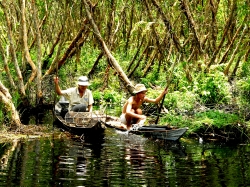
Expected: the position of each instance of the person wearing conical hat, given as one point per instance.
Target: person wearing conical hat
(131, 111)
(80, 98)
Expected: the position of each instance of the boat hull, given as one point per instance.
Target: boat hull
(170, 134)
(151, 131)
(93, 130)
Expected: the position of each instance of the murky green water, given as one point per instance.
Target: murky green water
(123, 160)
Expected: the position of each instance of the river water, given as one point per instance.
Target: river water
(121, 159)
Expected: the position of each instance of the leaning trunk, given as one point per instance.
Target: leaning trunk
(6, 99)
(112, 60)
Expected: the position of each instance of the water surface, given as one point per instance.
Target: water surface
(121, 159)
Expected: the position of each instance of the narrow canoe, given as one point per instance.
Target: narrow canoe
(151, 131)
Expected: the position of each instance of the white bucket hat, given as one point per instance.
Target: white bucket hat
(83, 81)
(139, 88)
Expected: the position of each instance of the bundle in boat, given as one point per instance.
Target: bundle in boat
(82, 119)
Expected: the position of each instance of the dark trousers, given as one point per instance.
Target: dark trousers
(79, 108)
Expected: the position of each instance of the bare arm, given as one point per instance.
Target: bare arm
(57, 87)
(90, 108)
(156, 100)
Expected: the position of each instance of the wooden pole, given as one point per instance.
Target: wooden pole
(168, 83)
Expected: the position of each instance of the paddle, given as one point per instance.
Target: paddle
(54, 102)
(55, 94)
(168, 83)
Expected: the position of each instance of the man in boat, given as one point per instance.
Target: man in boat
(131, 111)
(80, 98)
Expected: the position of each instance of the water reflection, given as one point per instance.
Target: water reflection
(73, 166)
(122, 159)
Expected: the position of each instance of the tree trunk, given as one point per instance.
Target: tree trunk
(113, 61)
(231, 77)
(191, 21)
(226, 71)
(39, 53)
(213, 29)
(6, 98)
(226, 28)
(230, 46)
(13, 52)
(136, 55)
(26, 48)
(138, 62)
(150, 62)
(168, 25)
(157, 38)
(51, 52)
(130, 27)
(6, 68)
(69, 49)
(91, 72)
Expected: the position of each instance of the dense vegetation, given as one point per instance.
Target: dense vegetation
(199, 49)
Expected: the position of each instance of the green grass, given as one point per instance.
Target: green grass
(212, 118)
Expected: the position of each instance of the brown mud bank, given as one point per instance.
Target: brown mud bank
(29, 132)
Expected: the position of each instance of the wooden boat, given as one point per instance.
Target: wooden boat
(85, 123)
(150, 131)
(80, 123)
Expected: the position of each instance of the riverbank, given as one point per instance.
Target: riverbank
(29, 132)
(236, 133)
(212, 125)
(218, 124)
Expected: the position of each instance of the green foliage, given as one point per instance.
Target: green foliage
(109, 96)
(88, 58)
(201, 120)
(216, 118)
(4, 116)
(16, 98)
(97, 96)
(151, 78)
(177, 121)
(179, 80)
(243, 87)
(206, 88)
(1, 115)
(212, 88)
(181, 102)
(245, 69)
(95, 84)
(156, 77)
(1, 13)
